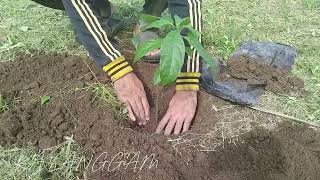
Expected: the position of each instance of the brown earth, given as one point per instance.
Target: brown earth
(226, 142)
(276, 80)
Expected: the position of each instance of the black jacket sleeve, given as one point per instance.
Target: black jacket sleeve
(94, 38)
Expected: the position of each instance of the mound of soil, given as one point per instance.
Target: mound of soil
(226, 142)
(256, 72)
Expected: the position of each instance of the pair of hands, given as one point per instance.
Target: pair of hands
(180, 113)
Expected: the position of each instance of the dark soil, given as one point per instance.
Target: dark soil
(255, 72)
(119, 149)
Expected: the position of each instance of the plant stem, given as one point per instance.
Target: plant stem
(157, 103)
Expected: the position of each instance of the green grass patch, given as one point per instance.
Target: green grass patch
(59, 162)
(7, 103)
(4, 104)
(26, 26)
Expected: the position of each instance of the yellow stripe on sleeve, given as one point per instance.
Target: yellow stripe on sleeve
(187, 80)
(117, 67)
(189, 74)
(109, 66)
(121, 73)
(192, 87)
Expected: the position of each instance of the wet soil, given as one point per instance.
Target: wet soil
(256, 72)
(226, 141)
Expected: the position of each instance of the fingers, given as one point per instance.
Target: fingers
(175, 125)
(186, 124)
(178, 126)
(146, 107)
(170, 126)
(163, 123)
(140, 112)
(130, 112)
(135, 109)
(130, 90)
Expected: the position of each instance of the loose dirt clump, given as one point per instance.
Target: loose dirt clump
(226, 142)
(255, 72)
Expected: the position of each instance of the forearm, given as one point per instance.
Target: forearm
(95, 40)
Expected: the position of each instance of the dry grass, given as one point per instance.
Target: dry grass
(232, 122)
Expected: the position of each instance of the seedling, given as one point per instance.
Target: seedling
(7, 101)
(173, 47)
(4, 104)
(45, 99)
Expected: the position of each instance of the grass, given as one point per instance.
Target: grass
(26, 26)
(60, 162)
(107, 94)
(7, 103)
(4, 104)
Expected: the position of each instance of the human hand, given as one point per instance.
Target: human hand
(180, 113)
(130, 91)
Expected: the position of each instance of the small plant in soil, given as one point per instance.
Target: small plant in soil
(177, 42)
(4, 104)
(45, 100)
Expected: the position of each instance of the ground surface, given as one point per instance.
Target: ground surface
(221, 145)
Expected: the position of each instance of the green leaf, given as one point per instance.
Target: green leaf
(156, 77)
(172, 57)
(177, 20)
(135, 41)
(182, 22)
(186, 22)
(145, 20)
(164, 21)
(189, 51)
(194, 32)
(145, 48)
(193, 41)
(45, 99)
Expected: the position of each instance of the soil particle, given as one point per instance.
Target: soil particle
(287, 152)
(47, 142)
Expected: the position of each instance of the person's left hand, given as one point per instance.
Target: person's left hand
(180, 113)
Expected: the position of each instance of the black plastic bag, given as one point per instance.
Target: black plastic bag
(239, 91)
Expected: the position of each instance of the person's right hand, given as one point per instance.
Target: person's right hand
(130, 91)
